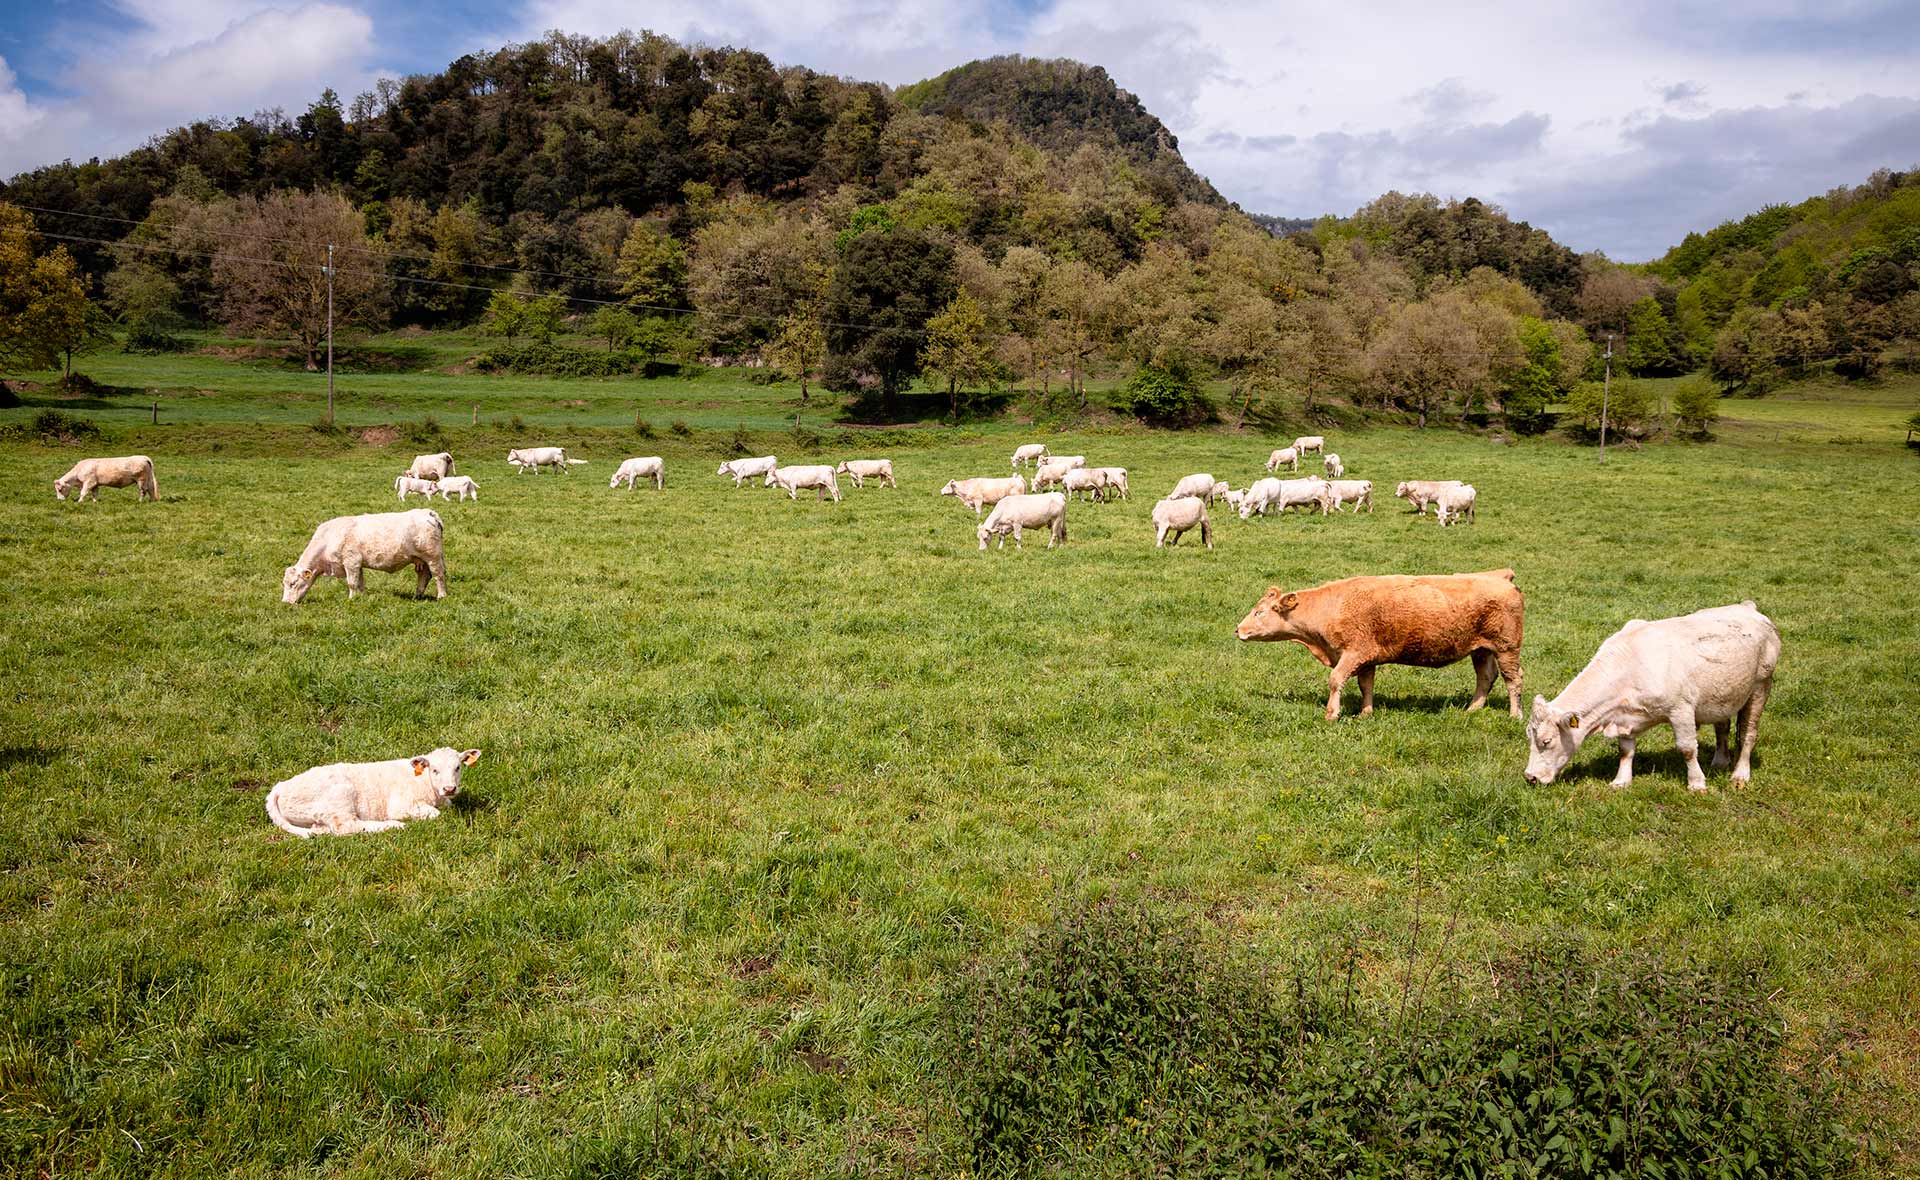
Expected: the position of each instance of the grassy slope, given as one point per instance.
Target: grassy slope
(757, 771)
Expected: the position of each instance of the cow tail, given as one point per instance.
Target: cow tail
(280, 821)
(149, 482)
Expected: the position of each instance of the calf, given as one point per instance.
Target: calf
(861, 470)
(1176, 516)
(1453, 503)
(1712, 667)
(1286, 455)
(385, 541)
(90, 475)
(460, 486)
(1422, 492)
(1354, 625)
(1030, 453)
(1357, 492)
(407, 485)
(1016, 513)
(523, 458)
(745, 469)
(437, 466)
(1201, 484)
(349, 797)
(976, 492)
(818, 477)
(1334, 467)
(645, 467)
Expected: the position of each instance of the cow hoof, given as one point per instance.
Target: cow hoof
(1476, 706)
(1698, 788)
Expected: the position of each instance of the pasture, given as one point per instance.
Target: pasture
(758, 775)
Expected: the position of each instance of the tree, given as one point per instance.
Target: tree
(800, 345)
(881, 296)
(1442, 348)
(958, 348)
(1627, 404)
(617, 324)
(1319, 350)
(652, 268)
(271, 271)
(1696, 407)
(43, 297)
(506, 315)
(1651, 342)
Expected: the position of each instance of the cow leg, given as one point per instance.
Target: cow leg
(1509, 662)
(1750, 732)
(1160, 537)
(1336, 680)
(1017, 542)
(419, 579)
(1623, 777)
(1365, 677)
(1482, 679)
(439, 567)
(1722, 757)
(355, 583)
(1686, 737)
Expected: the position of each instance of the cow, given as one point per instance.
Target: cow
(457, 485)
(1116, 480)
(1088, 481)
(642, 467)
(861, 470)
(1333, 465)
(1310, 442)
(1712, 667)
(1356, 624)
(349, 797)
(435, 467)
(1453, 503)
(1016, 513)
(1030, 453)
(986, 490)
(744, 469)
(384, 541)
(1422, 492)
(1200, 484)
(523, 458)
(1357, 492)
(1287, 455)
(1176, 516)
(1053, 470)
(818, 476)
(1287, 493)
(90, 475)
(406, 485)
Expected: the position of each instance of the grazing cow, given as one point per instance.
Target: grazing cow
(1356, 624)
(407, 485)
(985, 490)
(1116, 480)
(1236, 500)
(1452, 503)
(349, 797)
(644, 467)
(1310, 442)
(431, 466)
(1357, 492)
(1016, 513)
(1287, 455)
(1090, 482)
(1219, 491)
(1069, 460)
(1030, 453)
(90, 475)
(1176, 516)
(1201, 484)
(1053, 470)
(861, 470)
(461, 486)
(384, 541)
(1712, 667)
(818, 476)
(1257, 497)
(1334, 467)
(523, 458)
(745, 469)
(1299, 492)
(1422, 492)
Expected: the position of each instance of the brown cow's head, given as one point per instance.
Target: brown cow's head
(1269, 618)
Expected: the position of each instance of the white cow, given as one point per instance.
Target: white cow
(1017, 513)
(817, 476)
(523, 458)
(1284, 494)
(407, 485)
(1235, 499)
(1357, 492)
(349, 797)
(1030, 453)
(1453, 503)
(1200, 485)
(1310, 442)
(745, 469)
(1286, 455)
(1090, 482)
(985, 490)
(461, 486)
(1116, 480)
(1712, 667)
(90, 475)
(1334, 467)
(1422, 492)
(644, 467)
(437, 466)
(1176, 515)
(384, 541)
(1052, 471)
(1258, 496)
(861, 470)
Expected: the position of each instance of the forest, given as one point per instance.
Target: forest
(1010, 224)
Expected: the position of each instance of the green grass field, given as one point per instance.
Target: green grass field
(759, 774)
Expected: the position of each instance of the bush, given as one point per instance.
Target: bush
(1629, 406)
(643, 428)
(81, 385)
(1164, 396)
(424, 433)
(1696, 407)
(680, 429)
(145, 336)
(805, 438)
(55, 426)
(1117, 1041)
(656, 350)
(324, 425)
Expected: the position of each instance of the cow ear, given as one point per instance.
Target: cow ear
(419, 766)
(470, 757)
(1573, 721)
(1288, 602)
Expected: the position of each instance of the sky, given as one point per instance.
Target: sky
(1616, 127)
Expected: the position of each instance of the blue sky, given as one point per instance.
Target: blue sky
(1616, 127)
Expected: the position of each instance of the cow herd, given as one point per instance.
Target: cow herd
(1713, 667)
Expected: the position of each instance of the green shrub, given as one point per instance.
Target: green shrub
(1164, 396)
(1117, 1041)
(81, 385)
(145, 336)
(1696, 407)
(679, 428)
(642, 427)
(740, 442)
(1629, 409)
(424, 433)
(806, 438)
(56, 426)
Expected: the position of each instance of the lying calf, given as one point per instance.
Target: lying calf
(349, 797)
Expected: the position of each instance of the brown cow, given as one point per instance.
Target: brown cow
(1356, 624)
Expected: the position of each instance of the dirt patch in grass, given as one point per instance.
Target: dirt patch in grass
(378, 436)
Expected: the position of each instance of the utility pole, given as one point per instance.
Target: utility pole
(1606, 393)
(329, 333)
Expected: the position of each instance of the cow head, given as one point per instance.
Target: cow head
(1552, 739)
(295, 583)
(1403, 491)
(62, 486)
(952, 488)
(770, 480)
(443, 768)
(1270, 618)
(842, 469)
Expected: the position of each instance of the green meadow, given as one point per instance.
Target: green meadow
(760, 775)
